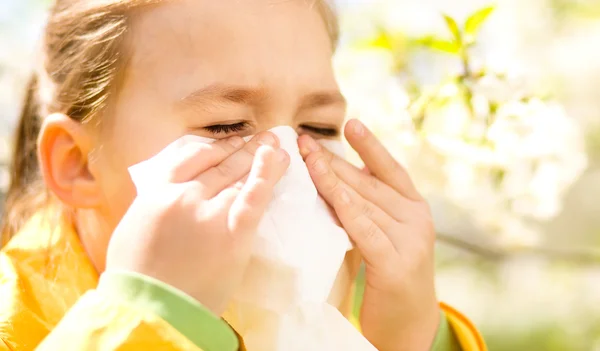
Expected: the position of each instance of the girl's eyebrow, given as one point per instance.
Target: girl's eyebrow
(249, 95)
(322, 98)
(228, 93)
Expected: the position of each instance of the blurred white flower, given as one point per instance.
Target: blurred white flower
(499, 86)
(499, 176)
(375, 96)
(516, 234)
(505, 165)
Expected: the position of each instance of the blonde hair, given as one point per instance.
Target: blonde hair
(83, 53)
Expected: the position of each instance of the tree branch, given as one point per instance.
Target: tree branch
(578, 256)
(471, 247)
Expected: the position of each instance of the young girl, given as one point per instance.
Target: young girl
(87, 265)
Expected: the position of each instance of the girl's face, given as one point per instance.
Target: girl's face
(215, 69)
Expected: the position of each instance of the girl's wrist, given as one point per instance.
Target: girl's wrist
(420, 331)
(423, 331)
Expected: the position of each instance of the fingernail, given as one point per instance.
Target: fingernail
(320, 167)
(235, 141)
(282, 155)
(312, 145)
(266, 139)
(304, 151)
(358, 128)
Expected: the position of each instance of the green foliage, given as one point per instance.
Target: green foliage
(474, 22)
(454, 29)
(592, 141)
(549, 337)
(462, 38)
(447, 46)
(383, 40)
(393, 42)
(569, 10)
(466, 92)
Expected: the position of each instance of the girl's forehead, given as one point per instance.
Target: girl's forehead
(242, 41)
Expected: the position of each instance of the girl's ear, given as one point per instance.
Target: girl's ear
(63, 150)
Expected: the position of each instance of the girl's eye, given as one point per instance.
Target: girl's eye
(328, 132)
(240, 126)
(226, 128)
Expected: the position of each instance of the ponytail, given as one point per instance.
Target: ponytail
(80, 59)
(24, 195)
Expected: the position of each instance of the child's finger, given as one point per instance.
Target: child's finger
(195, 158)
(373, 190)
(234, 167)
(364, 222)
(379, 161)
(240, 183)
(268, 167)
(366, 185)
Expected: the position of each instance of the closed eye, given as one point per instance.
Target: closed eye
(221, 129)
(328, 132)
(226, 128)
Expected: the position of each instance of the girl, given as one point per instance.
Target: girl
(90, 266)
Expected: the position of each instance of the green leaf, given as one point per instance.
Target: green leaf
(378, 42)
(382, 40)
(474, 22)
(443, 45)
(498, 175)
(453, 26)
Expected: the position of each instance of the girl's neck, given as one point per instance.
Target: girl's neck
(94, 233)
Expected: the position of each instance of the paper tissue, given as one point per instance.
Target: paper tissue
(282, 304)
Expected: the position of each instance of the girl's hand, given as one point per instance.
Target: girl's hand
(391, 225)
(195, 231)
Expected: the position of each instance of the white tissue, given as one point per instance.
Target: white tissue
(298, 252)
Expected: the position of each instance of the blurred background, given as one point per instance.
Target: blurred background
(495, 110)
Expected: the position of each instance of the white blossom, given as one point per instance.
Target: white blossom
(505, 168)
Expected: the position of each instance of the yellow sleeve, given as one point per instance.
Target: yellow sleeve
(51, 300)
(96, 323)
(467, 335)
(125, 313)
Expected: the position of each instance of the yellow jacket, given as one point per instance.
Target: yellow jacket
(50, 300)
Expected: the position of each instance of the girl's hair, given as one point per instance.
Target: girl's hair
(82, 54)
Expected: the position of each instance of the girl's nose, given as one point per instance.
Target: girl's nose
(276, 121)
